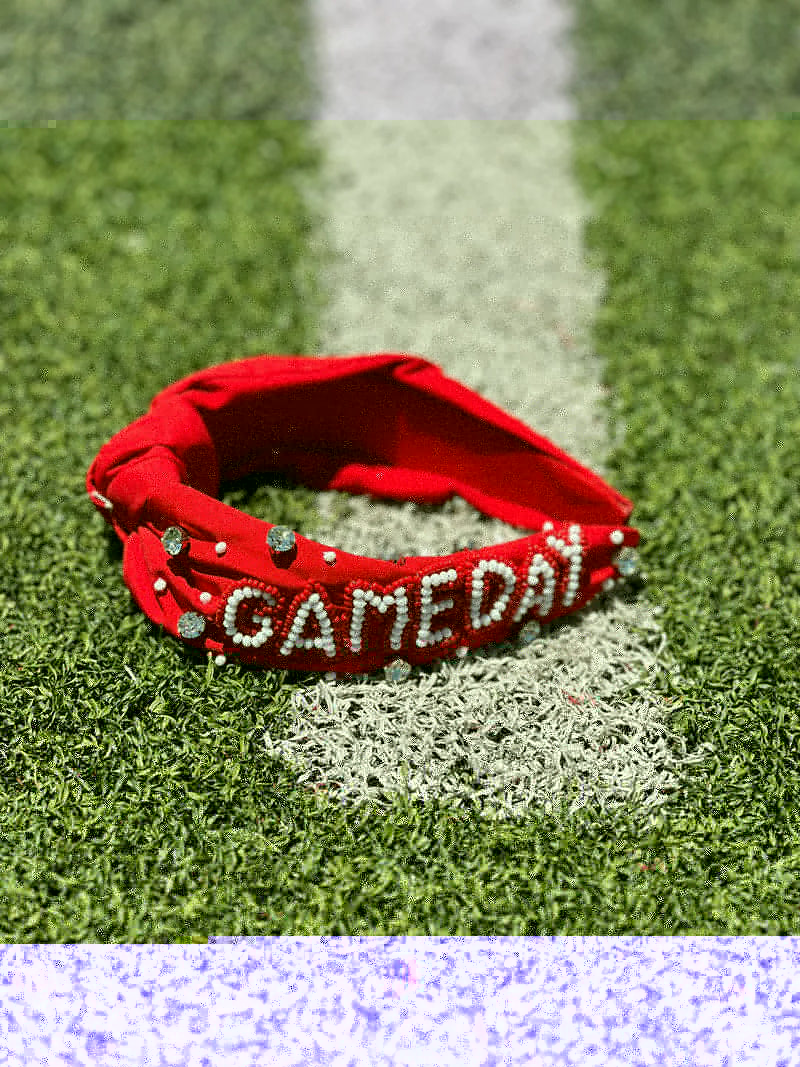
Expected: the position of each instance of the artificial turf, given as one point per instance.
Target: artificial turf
(697, 232)
(678, 59)
(135, 793)
(147, 59)
(137, 802)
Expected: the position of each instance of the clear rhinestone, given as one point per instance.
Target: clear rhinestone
(190, 624)
(173, 539)
(281, 539)
(529, 632)
(397, 671)
(626, 561)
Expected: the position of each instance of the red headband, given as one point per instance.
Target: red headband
(388, 425)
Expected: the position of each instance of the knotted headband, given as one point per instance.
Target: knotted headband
(390, 425)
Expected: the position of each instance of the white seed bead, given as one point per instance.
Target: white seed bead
(205, 597)
(159, 585)
(220, 660)
(101, 499)
(617, 537)
(220, 548)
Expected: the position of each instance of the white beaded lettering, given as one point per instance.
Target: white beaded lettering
(428, 609)
(574, 553)
(502, 602)
(327, 641)
(542, 575)
(539, 568)
(232, 609)
(362, 597)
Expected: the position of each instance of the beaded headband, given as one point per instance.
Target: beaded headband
(389, 425)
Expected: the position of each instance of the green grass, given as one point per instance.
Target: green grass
(133, 254)
(144, 808)
(679, 59)
(137, 802)
(698, 232)
(147, 59)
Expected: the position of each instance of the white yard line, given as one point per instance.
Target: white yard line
(438, 59)
(461, 241)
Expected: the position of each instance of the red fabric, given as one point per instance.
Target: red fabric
(388, 425)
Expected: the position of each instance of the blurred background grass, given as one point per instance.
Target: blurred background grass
(155, 59)
(679, 59)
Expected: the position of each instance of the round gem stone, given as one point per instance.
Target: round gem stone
(281, 539)
(191, 625)
(529, 632)
(173, 539)
(627, 562)
(397, 671)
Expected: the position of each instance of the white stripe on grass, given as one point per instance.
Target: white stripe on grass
(434, 59)
(461, 242)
